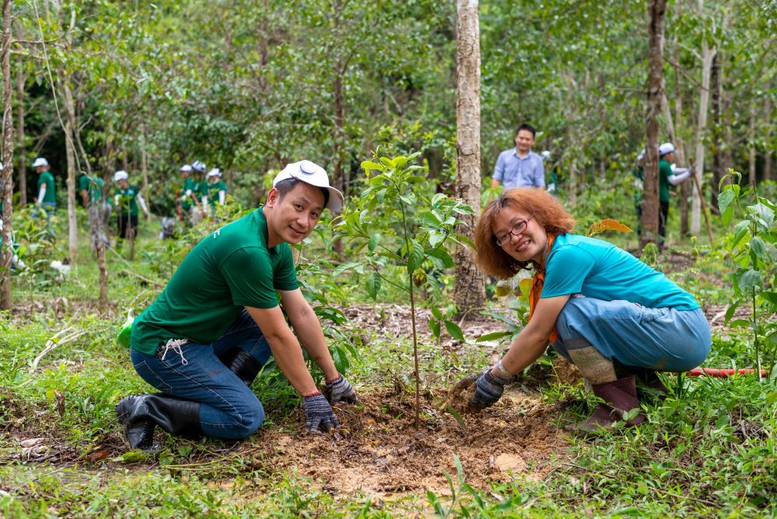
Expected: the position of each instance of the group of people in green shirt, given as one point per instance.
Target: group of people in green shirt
(198, 192)
(669, 175)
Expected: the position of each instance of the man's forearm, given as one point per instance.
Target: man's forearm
(311, 336)
(288, 356)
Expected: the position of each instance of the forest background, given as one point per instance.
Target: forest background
(250, 86)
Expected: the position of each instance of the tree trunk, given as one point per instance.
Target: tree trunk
(718, 170)
(655, 94)
(21, 174)
(70, 153)
(751, 151)
(707, 55)
(768, 149)
(7, 158)
(469, 293)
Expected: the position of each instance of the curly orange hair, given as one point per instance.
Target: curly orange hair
(547, 212)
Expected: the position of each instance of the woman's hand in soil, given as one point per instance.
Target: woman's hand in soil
(340, 390)
(318, 413)
(488, 390)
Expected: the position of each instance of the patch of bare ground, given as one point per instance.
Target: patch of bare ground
(380, 450)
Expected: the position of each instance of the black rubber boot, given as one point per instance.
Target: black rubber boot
(140, 414)
(619, 396)
(242, 364)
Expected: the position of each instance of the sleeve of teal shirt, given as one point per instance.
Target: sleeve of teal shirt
(567, 269)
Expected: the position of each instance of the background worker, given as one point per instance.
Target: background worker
(519, 166)
(217, 188)
(202, 348)
(199, 189)
(183, 201)
(126, 199)
(668, 174)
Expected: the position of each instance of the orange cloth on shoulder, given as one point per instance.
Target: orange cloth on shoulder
(536, 290)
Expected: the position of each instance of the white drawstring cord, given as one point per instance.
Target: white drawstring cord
(175, 345)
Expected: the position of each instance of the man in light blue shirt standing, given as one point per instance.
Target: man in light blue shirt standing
(520, 166)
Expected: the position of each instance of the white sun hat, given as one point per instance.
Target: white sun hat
(215, 172)
(40, 161)
(665, 148)
(313, 174)
(186, 168)
(120, 175)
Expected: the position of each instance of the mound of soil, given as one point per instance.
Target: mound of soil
(380, 450)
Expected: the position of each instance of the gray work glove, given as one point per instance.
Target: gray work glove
(489, 389)
(318, 413)
(340, 390)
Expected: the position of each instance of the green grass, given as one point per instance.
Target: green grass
(710, 450)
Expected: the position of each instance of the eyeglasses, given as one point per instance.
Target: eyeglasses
(517, 229)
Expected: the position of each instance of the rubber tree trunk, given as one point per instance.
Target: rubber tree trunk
(655, 95)
(469, 293)
(707, 55)
(21, 173)
(7, 160)
(70, 154)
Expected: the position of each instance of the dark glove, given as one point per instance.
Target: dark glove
(340, 390)
(318, 413)
(489, 389)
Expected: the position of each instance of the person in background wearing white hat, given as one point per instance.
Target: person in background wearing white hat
(217, 189)
(47, 197)
(204, 340)
(519, 166)
(668, 175)
(199, 189)
(183, 202)
(127, 198)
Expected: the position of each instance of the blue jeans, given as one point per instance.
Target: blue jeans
(659, 339)
(228, 408)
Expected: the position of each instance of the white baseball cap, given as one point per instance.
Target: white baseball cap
(313, 174)
(40, 161)
(198, 166)
(215, 172)
(120, 175)
(665, 148)
(186, 168)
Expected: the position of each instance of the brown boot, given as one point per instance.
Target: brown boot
(620, 397)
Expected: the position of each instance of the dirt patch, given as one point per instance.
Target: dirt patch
(380, 450)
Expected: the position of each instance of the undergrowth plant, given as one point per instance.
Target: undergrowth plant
(751, 245)
(398, 221)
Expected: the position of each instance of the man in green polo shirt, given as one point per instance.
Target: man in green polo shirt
(218, 320)
(668, 174)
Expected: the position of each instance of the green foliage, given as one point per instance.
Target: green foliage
(752, 245)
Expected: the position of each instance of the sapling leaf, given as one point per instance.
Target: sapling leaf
(454, 330)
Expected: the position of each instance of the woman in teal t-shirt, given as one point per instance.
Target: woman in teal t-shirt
(615, 318)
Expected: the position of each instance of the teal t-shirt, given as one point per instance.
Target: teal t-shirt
(595, 268)
(125, 200)
(50, 197)
(229, 269)
(664, 172)
(93, 185)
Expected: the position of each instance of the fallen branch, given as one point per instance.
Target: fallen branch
(51, 344)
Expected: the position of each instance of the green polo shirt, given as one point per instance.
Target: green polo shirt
(213, 191)
(93, 185)
(229, 269)
(188, 187)
(125, 199)
(47, 178)
(664, 172)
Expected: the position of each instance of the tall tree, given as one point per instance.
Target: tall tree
(655, 96)
(469, 293)
(6, 254)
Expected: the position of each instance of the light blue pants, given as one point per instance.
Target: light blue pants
(660, 339)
